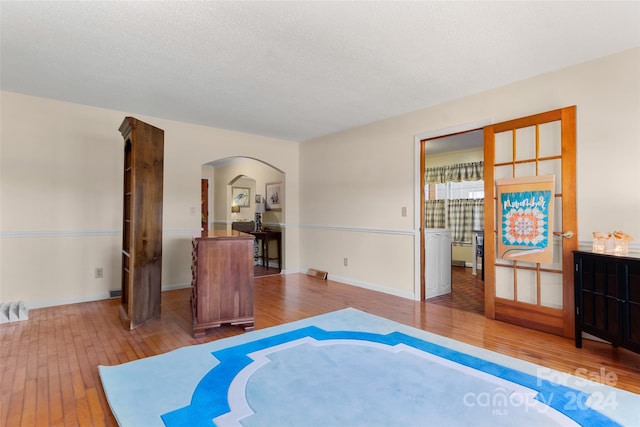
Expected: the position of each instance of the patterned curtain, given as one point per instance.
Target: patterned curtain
(473, 171)
(463, 216)
(478, 215)
(434, 214)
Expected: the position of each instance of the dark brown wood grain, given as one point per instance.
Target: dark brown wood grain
(222, 285)
(142, 222)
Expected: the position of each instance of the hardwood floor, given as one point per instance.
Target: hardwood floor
(467, 291)
(259, 271)
(48, 364)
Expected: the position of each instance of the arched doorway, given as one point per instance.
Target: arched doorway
(237, 187)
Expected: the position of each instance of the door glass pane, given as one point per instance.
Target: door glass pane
(526, 169)
(504, 282)
(527, 286)
(504, 262)
(503, 147)
(526, 143)
(503, 172)
(551, 290)
(557, 214)
(556, 262)
(527, 264)
(550, 139)
(552, 167)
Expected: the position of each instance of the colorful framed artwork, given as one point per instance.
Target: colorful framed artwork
(525, 218)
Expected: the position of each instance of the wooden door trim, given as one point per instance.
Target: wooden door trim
(423, 285)
(539, 319)
(569, 218)
(489, 224)
(421, 141)
(546, 117)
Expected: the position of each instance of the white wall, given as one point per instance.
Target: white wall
(61, 196)
(354, 183)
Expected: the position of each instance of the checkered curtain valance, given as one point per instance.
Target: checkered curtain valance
(472, 171)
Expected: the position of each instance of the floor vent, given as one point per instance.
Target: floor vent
(317, 273)
(115, 294)
(13, 312)
(457, 263)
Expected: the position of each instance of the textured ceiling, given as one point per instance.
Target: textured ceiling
(295, 70)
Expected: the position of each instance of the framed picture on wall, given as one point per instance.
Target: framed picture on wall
(274, 196)
(240, 196)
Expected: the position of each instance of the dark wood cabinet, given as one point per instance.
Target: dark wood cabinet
(222, 280)
(607, 295)
(141, 222)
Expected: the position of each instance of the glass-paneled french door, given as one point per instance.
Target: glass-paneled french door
(531, 294)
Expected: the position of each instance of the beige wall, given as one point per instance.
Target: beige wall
(61, 183)
(61, 196)
(453, 157)
(354, 183)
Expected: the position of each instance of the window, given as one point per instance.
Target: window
(455, 199)
(460, 190)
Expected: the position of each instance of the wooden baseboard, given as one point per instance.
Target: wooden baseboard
(317, 273)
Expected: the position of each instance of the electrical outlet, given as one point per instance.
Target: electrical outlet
(346, 262)
(404, 211)
(99, 273)
(192, 211)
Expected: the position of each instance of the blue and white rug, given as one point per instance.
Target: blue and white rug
(350, 368)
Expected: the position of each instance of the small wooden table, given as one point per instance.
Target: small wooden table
(265, 237)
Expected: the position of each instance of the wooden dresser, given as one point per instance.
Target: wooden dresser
(222, 280)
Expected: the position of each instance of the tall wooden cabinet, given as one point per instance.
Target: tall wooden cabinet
(142, 222)
(607, 297)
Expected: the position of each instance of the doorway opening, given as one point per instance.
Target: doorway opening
(237, 189)
(452, 202)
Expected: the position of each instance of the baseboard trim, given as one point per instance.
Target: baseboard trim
(372, 287)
